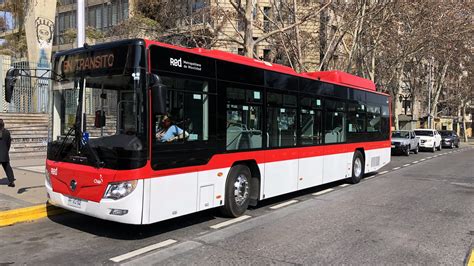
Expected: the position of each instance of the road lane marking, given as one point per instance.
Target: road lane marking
(143, 250)
(343, 185)
(416, 161)
(396, 168)
(370, 177)
(435, 156)
(323, 192)
(281, 205)
(429, 157)
(405, 165)
(233, 221)
(384, 172)
(423, 159)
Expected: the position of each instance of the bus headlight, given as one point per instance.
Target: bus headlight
(48, 178)
(119, 190)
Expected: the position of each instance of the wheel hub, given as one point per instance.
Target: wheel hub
(241, 189)
(357, 167)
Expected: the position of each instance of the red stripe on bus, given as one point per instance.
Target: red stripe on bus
(226, 160)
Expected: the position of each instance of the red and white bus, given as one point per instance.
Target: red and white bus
(144, 131)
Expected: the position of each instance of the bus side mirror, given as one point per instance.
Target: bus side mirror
(10, 80)
(159, 92)
(99, 120)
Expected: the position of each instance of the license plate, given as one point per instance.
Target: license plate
(76, 203)
(393, 146)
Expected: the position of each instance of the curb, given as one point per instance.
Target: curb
(470, 258)
(28, 214)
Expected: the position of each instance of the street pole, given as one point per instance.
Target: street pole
(429, 97)
(81, 29)
(81, 32)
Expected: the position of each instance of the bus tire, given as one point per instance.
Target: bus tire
(357, 167)
(237, 191)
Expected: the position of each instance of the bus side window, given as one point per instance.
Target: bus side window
(373, 118)
(310, 121)
(335, 124)
(281, 120)
(244, 119)
(188, 110)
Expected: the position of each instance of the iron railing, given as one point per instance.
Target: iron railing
(31, 94)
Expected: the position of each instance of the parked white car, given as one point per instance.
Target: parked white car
(430, 139)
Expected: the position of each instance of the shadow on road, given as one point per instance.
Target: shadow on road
(120, 231)
(4, 181)
(24, 189)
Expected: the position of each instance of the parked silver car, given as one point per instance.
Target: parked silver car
(404, 141)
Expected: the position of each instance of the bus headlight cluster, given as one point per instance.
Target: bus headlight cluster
(119, 190)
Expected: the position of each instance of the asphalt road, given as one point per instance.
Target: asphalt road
(417, 210)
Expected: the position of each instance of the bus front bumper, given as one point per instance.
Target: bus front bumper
(127, 210)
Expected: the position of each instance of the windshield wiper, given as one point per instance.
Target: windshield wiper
(95, 156)
(63, 143)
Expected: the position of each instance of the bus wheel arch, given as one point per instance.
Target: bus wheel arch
(241, 175)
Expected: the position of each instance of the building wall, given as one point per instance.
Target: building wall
(100, 15)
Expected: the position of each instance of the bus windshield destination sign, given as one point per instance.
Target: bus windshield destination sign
(74, 64)
(94, 62)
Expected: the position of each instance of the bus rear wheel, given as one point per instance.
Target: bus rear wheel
(357, 167)
(237, 191)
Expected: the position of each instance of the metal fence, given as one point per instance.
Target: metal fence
(30, 94)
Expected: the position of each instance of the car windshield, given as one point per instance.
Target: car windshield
(446, 133)
(424, 133)
(401, 134)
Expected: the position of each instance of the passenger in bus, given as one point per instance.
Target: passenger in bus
(169, 132)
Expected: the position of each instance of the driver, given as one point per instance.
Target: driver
(169, 132)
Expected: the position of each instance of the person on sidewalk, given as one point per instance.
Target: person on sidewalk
(5, 143)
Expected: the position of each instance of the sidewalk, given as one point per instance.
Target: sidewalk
(29, 189)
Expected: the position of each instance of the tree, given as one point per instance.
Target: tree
(246, 12)
(15, 43)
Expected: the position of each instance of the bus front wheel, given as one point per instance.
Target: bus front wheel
(357, 167)
(237, 191)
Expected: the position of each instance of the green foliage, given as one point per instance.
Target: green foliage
(15, 45)
(94, 34)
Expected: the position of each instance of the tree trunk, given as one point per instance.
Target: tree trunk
(439, 87)
(355, 41)
(396, 94)
(299, 67)
(249, 44)
(464, 120)
(322, 34)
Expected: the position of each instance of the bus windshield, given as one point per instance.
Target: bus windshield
(100, 119)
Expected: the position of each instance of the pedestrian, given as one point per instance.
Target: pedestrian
(5, 143)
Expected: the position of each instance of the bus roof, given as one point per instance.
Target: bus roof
(334, 77)
(343, 78)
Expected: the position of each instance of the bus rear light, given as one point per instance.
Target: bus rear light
(118, 212)
(120, 190)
